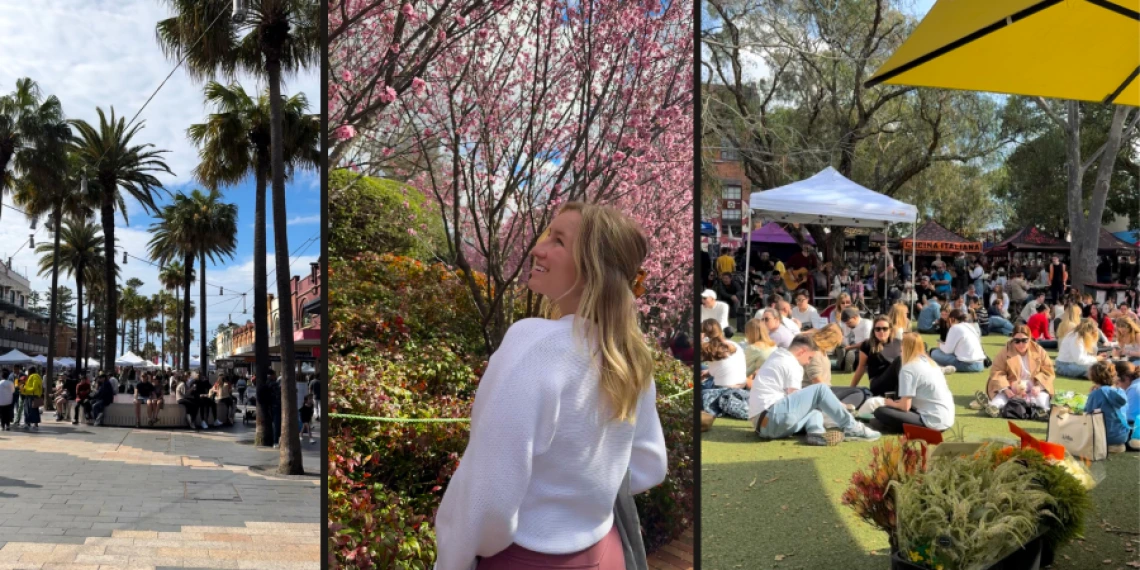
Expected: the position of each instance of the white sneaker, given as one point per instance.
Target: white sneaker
(860, 432)
(217, 423)
(205, 425)
(949, 370)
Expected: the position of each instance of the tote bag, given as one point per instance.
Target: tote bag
(1082, 435)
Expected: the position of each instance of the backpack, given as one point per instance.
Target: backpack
(1017, 409)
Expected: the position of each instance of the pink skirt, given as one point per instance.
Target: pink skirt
(605, 555)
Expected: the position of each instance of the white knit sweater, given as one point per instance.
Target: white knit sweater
(544, 462)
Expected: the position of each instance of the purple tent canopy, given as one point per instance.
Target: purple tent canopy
(771, 232)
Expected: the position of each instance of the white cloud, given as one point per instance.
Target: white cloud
(105, 54)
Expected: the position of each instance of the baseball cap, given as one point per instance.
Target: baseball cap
(708, 294)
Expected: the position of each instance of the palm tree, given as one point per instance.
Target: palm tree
(78, 253)
(22, 114)
(117, 166)
(173, 278)
(280, 38)
(133, 306)
(48, 187)
(233, 142)
(162, 301)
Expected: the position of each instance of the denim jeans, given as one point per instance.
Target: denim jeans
(1071, 369)
(944, 359)
(804, 409)
(979, 287)
(1047, 343)
(1001, 325)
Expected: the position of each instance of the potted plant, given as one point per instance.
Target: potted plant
(981, 512)
(870, 495)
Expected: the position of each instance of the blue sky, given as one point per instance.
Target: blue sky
(103, 53)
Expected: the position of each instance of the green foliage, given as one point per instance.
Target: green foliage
(377, 215)
(1072, 502)
(968, 512)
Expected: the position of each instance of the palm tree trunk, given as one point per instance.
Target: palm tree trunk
(260, 312)
(49, 402)
(110, 300)
(202, 313)
(162, 352)
(290, 462)
(186, 315)
(79, 337)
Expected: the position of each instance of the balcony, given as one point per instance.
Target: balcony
(23, 341)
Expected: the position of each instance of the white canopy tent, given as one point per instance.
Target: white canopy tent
(40, 359)
(131, 359)
(16, 357)
(828, 199)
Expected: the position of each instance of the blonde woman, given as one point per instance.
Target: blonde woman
(565, 410)
(1069, 320)
(727, 365)
(1021, 370)
(899, 317)
(818, 370)
(759, 346)
(924, 399)
(1078, 351)
(1128, 337)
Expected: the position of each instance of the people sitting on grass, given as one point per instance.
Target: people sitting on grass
(717, 310)
(928, 317)
(777, 330)
(818, 371)
(962, 349)
(1128, 339)
(785, 309)
(842, 303)
(1078, 351)
(1039, 327)
(759, 346)
(900, 320)
(727, 367)
(1022, 370)
(1107, 330)
(804, 312)
(997, 323)
(855, 331)
(1126, 379)
(977, 314)
(779, 407)
(1070, 320)
(1030, 307)
(879, 359)
(1112, 402)
(924, 398)
(145, 396)
(1001, 300)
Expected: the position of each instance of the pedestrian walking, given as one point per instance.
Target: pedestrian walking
(33, 394)
(7, 401)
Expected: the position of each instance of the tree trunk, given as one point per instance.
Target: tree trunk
(48, 381)
(291, 461)
(162, 351)
(80, 349)
(202, 358)
(260, 312)
(186, 315)
(110, 297)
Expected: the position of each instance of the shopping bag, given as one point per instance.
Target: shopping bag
(1082, 434)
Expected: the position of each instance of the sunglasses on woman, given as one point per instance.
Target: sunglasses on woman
(882, 329)
(1020, 340)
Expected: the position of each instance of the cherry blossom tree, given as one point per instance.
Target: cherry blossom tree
(540, 104)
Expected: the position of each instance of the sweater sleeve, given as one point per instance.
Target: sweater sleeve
(513, 419)
(648, 462)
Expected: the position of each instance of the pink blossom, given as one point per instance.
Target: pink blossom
(346, 75)
(345, 132)
(388, 94)
(411, 231)
(418, 86)
(408, 11)
(460, 20)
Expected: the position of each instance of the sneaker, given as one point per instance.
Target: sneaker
(833, 436)
(949, 370)
(1118, 448)
(205, 425)
(860, 432)
(75, 422)
(981, 400)
(850, 409)
(217, 423)
(815, 439)
(1134, 445)
(190, 421)
(993, 411)
(311, 440)
(99, 420)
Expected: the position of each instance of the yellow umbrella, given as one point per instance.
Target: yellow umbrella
(1087, 50)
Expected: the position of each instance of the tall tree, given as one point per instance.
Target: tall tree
(281, 37)
(80, 255)
(162, 301)
(172, 239)
(118, 167)
(234, 142)
(23, 114)
(173, 278)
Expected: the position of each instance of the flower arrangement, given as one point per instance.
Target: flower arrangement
(870, 496)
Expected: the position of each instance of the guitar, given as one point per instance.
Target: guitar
(794, 278)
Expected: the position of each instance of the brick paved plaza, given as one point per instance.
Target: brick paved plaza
(97, 498)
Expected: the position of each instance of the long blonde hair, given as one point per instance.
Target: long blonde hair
(828, 338)
(912, 347)
(1088, 333)
(757, 333)
(608, 254)
(1127, 331)
(898, 319)
(1069, 321)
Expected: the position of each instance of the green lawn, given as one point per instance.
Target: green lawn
(776, 504)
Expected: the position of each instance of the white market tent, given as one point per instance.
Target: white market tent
(828, 199)
(40, 359)
(131, 359)
(16, 357)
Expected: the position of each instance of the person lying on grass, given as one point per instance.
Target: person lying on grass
(1022, 370)
(924, 399)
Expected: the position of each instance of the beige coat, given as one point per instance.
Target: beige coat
(1007, 365)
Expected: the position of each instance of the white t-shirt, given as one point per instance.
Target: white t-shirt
(857, 335)
(788, 322)
(7, 391)
(1072, 350)
(806, 318)
(780, 372)
(964, 343)
(782, 336)
(922, 381)
(719, 311)
(730, 371)
(1004, 303)
(544, 461)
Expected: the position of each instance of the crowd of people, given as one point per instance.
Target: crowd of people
(779, 376)
(208, 400)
